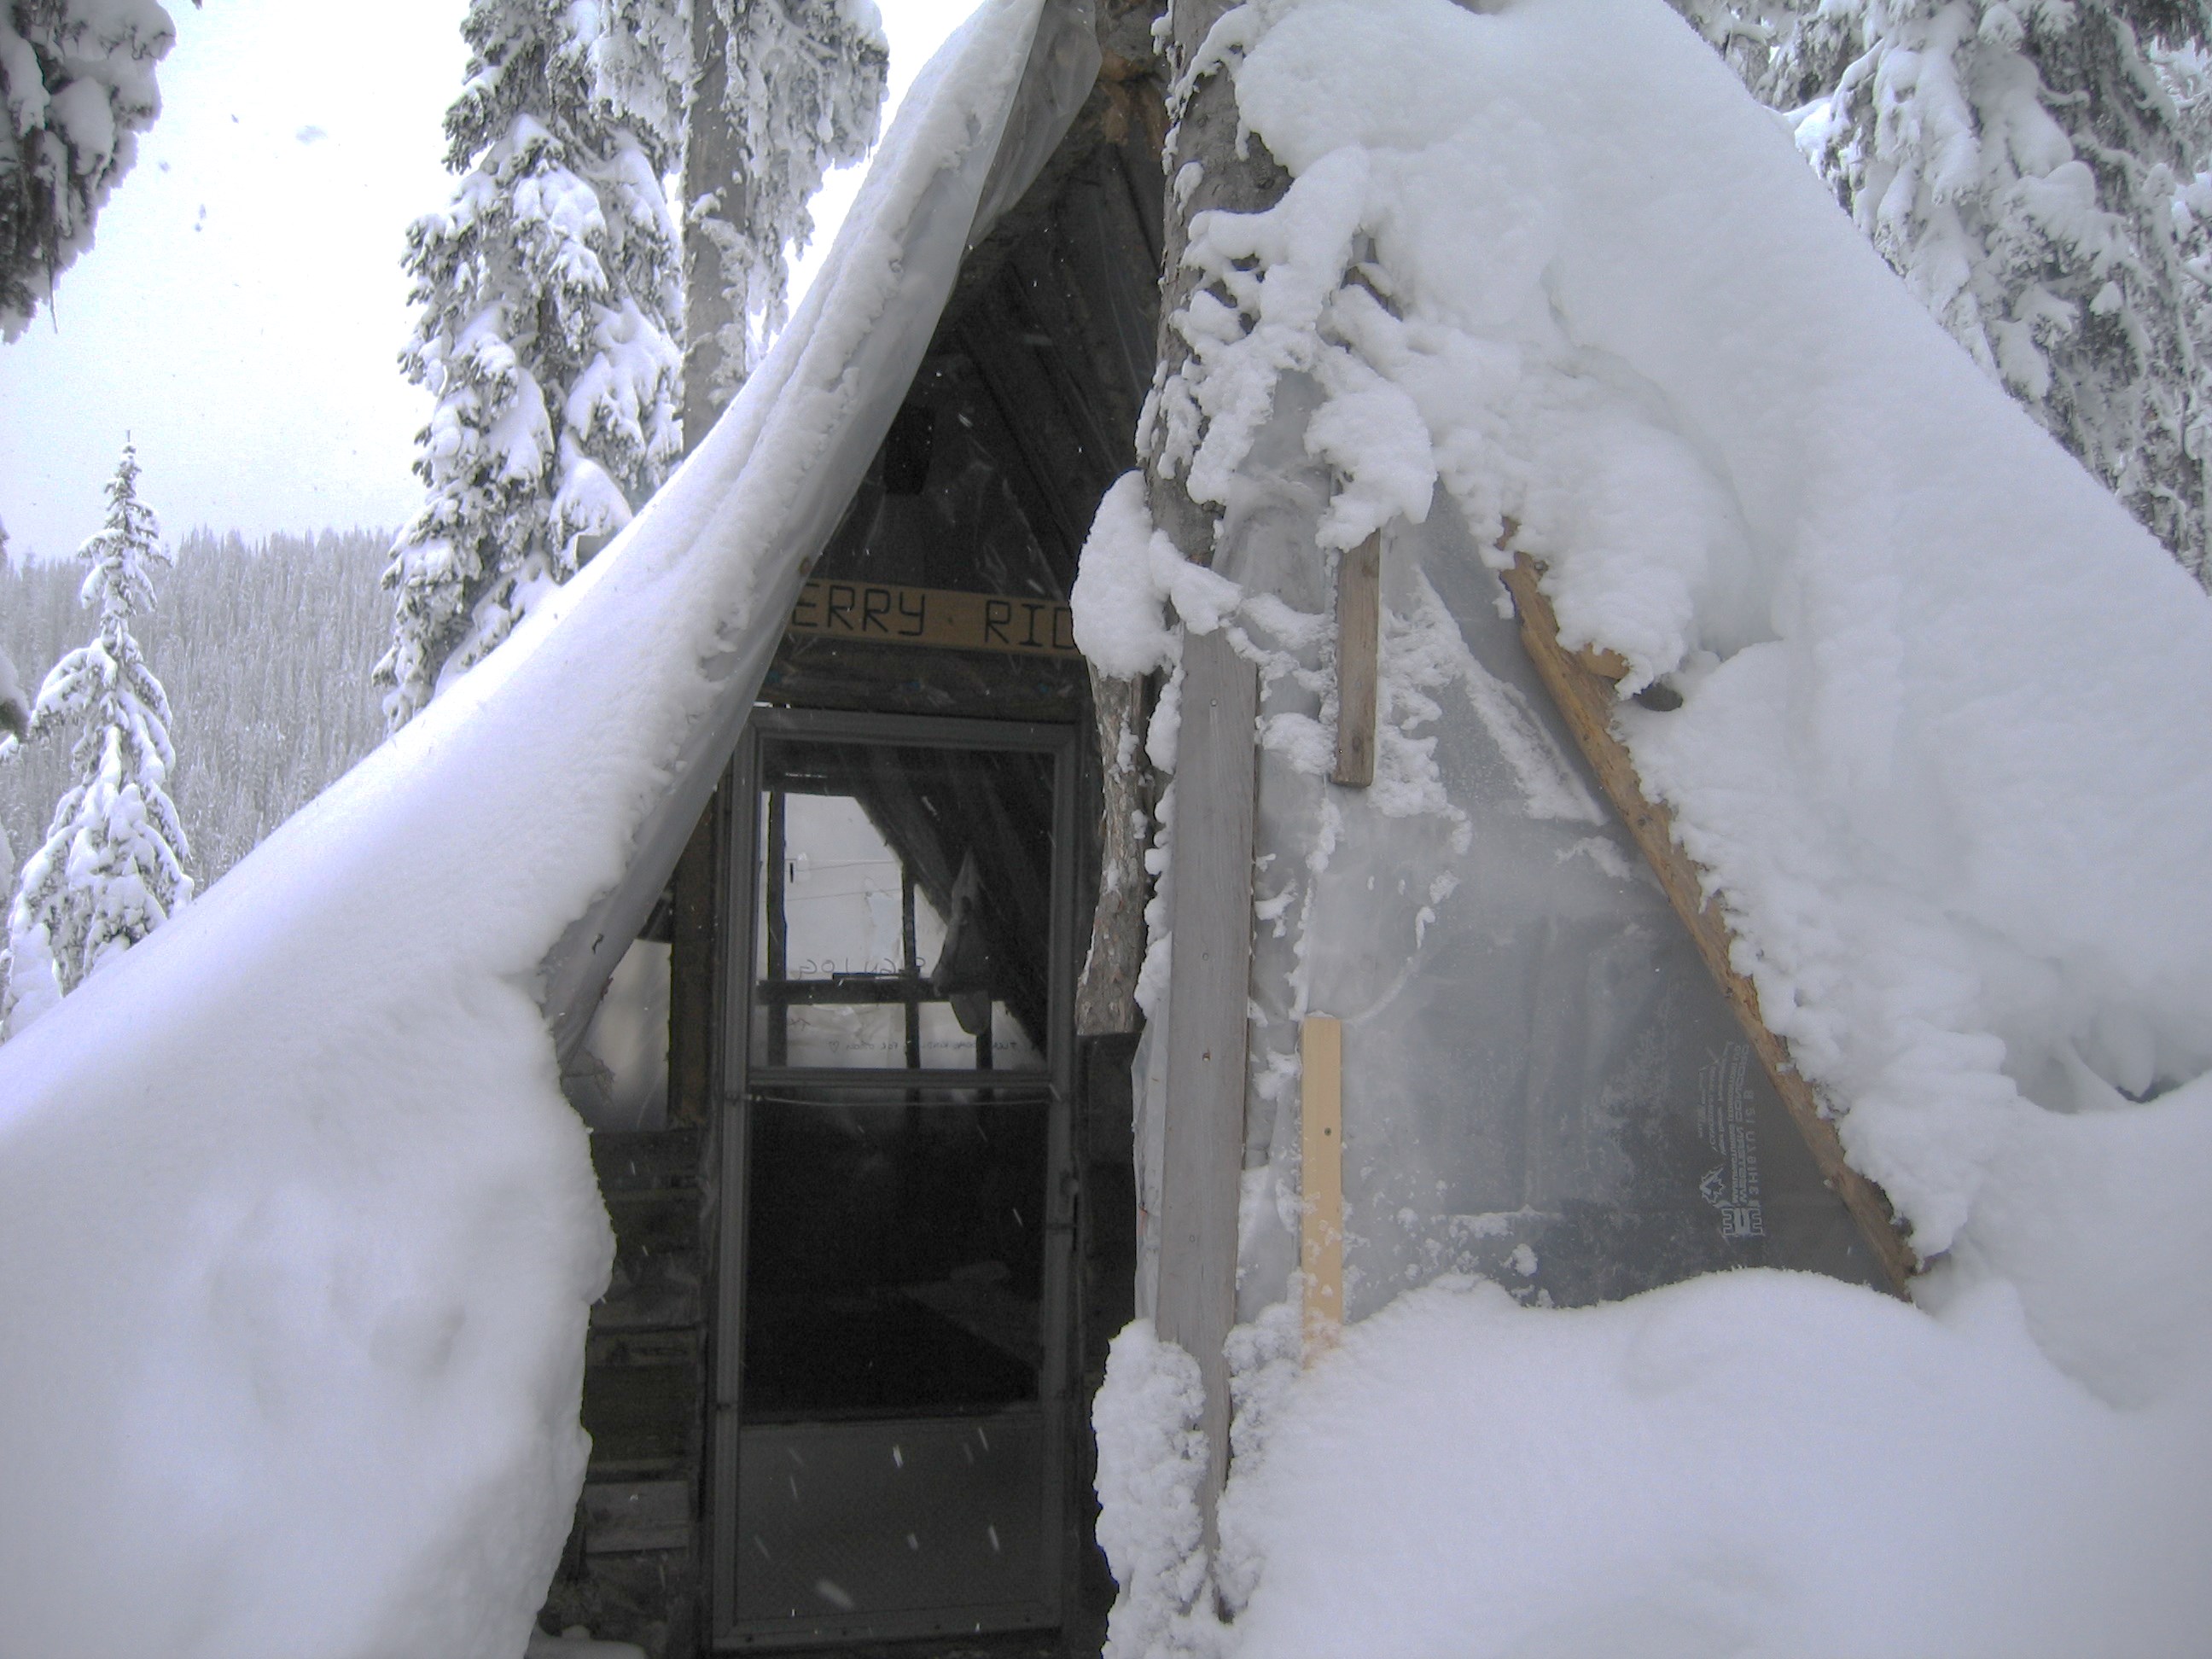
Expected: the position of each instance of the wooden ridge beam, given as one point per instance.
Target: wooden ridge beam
(1580, 684)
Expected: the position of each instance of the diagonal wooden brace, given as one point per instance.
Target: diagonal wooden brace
(1581, 685)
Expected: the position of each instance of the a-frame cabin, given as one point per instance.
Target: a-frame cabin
(788, 849)
(901, 1178)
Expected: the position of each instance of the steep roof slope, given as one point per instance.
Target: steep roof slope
(301, 1234)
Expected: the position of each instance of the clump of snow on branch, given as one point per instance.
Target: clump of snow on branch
(551, 309)
(115, 864)
(76, 88)
(803, 84)
(2036, 173)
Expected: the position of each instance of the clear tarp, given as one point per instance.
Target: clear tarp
(1542, 1085)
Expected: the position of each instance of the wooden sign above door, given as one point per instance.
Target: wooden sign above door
(938, 618)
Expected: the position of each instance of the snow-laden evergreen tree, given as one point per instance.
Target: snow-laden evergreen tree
(551, 316)
(2028, 167)
(115, 864)
(76, 88)
(800, 90)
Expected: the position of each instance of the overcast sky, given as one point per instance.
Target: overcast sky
(241, 314)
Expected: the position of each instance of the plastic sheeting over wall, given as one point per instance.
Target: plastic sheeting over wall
(1542, 1085)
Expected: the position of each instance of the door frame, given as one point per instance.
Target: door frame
(733, 1085)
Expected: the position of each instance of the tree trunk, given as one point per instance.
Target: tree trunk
(710, 167)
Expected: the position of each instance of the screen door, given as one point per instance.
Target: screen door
(890, 1372)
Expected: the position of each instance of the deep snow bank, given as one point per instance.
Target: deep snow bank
(298, 1234)
(1754, 1462)
(1944, 746)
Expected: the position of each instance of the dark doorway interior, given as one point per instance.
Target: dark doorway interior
(894, 1333)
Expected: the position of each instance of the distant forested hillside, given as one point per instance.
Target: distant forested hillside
(264, 649)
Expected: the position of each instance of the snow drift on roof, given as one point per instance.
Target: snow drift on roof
(300, 1233)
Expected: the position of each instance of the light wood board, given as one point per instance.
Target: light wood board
(1321, 1161)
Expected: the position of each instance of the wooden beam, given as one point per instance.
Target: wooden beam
(1210, 919)
(1321, 1180)
(1106, 996)
(1358, 643)
(694, 962)
(1586, 701)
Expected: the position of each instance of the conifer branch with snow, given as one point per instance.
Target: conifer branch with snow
(551, 308)
(76, 88)
(799, 90)
(2028, 169)
(115, 864)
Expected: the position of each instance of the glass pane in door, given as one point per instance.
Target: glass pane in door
(895, 1254)
(903, 917)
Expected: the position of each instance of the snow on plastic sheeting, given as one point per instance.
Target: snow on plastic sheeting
(300, 1235)
(1944, 744)
(1544, 1084)
(1550, 1090)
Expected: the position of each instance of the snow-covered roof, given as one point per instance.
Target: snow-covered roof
(300, 1233)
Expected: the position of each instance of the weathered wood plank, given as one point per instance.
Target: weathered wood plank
(694, 937)
(620, 1516)
(1586, 703)
(642, 1160)
(935, 618)
(1320, 1162)
(1210, 919)
(1358, 642)
(1106, 996)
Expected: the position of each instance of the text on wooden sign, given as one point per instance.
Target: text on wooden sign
(934, 617)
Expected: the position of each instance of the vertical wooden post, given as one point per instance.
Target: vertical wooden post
(1321, 1161)
(1210, 919)
(1358, 645)
(1211, 911)
(1106, 997)
(777, 928)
